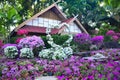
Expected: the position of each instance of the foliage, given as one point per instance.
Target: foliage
(89, 11)
(26, 53)
(9, 17)
(14, 39)
(105, 27)
(31, 42)
(11, 51)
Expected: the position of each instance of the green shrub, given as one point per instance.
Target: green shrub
(58, 39)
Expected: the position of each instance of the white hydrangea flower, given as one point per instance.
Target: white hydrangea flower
(26, 53)
(11, 51)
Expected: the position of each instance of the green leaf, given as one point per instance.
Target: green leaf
(11, 13)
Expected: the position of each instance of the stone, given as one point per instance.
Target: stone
(46, 78)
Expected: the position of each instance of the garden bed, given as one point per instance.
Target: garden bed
(75, 67)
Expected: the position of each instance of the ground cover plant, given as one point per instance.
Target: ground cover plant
(75, 68)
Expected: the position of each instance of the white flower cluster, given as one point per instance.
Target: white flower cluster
(59, 55)
(57, 52)
(53, 54)
(11, 51)
(26, 53)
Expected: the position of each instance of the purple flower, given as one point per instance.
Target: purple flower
(82, 38)
(6, 45)
(97, 40)
(60, 77)
(31, 42)
(5, 70)
(68, 71)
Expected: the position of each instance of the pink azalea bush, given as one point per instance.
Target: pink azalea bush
(22, 32)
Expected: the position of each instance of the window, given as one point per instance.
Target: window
(43, 22)
(29, 23)
(35, 22)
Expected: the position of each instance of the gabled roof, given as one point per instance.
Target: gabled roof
(70, 20)
(61, 14)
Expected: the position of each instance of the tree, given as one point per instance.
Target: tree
(8, 18)
(89, 11)
(113, 8)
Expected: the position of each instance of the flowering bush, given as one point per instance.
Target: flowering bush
(82, 38)
(98, 40)
(11, 51)
(83, 41)
(22, 32)
(26, 53)
(31, 42)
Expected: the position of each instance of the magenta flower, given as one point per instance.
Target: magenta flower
(110, 33)
(22, 32)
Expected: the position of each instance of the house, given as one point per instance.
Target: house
(52, 15)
